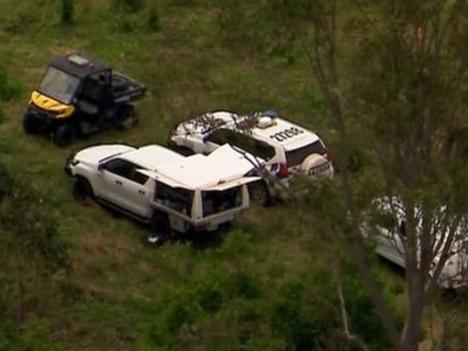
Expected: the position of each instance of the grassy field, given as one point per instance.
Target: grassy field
(196, 62)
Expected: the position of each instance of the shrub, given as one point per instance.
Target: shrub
(129, 5)
(67, 11)
(210, 295)
(153, 18)
(34, 335)
(289, 316)
(244, 285)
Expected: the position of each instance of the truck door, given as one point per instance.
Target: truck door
(125, 187)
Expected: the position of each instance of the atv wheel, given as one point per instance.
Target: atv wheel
(82, 191)
(64, 135)
(30, 124)
(259, 194)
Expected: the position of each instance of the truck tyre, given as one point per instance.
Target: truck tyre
(82, 191)
(30, 124)
(259, 193)
(64, 135)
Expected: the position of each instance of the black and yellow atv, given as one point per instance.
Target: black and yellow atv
(79, 95)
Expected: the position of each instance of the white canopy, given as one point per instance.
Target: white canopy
(221, 169)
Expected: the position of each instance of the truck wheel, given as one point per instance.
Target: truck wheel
(259, 193)
(30, 124)
(82, 191)
(64, 135)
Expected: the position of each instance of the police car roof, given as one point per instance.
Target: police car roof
(192, 172)
(286, 134)
(79, 65)
(278, 132)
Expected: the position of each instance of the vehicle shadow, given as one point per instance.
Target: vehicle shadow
(392, 267)
(200, 240)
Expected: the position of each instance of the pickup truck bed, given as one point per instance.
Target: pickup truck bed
(126, 89)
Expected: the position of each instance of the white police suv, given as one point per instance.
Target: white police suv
(156, 185)
(283, 148)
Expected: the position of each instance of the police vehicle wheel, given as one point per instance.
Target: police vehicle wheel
(259, 194)
(30, 124)
(82, 191)
(64, 135)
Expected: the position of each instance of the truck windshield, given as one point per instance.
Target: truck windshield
(218, 201)
(59, 85)
(297, 156)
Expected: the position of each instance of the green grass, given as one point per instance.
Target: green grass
(189, 67)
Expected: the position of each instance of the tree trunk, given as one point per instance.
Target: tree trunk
(412, 329)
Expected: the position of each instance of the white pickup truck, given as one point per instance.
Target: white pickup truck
(156, 185)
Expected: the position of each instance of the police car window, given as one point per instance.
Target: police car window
(242, 141)
(120, 167)
(219, 136)
(297, 156)
(252, 146)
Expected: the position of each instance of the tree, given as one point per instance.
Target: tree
(395, 73)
